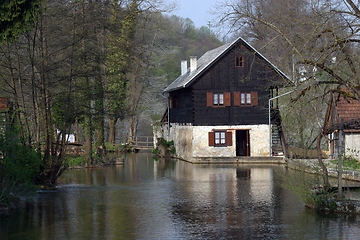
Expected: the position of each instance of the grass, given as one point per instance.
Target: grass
(113, 147)
(351, 163)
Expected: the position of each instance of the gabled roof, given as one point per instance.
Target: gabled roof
(208, 59)
(342, 108)
(347, 108)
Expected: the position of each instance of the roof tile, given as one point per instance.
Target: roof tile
(3, 104)
(347, 108)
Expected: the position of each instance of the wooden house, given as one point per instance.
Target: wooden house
(218, 107)
(342, 123)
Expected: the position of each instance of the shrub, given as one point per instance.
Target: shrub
(165, 148)
(74, 161)
(19, 167)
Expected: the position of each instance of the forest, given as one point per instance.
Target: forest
(96, 69)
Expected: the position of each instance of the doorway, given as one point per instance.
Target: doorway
(242, 143)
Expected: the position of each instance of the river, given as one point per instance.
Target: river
(169, 199)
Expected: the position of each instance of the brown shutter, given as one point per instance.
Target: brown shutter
(211, 139)
(227, 99)
(254, 98)
(237, 99)
(228, 138)
(209, 99)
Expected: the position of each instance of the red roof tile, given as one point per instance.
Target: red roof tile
(347, 108)
(3, 104)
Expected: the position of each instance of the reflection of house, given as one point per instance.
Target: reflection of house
(343, 125)
(219, 106)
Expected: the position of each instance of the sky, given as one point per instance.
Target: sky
(196, 10)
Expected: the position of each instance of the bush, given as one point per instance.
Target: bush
(19, 167)
(165, 148)
(155, 151)
(75, 161)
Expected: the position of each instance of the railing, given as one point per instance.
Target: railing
(143, 142)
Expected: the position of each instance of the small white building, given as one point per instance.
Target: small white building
(343, 125)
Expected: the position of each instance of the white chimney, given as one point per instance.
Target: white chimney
(183, 67)
(193, 64)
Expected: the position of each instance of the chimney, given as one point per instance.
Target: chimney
(193, 64)
(183, 67)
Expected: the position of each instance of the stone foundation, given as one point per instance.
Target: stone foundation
(193, 141)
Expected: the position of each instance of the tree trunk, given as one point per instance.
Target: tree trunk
(14, 89)
(133, 128)
(23, 103)
(323, 167)
(88, 140)
(112, 130)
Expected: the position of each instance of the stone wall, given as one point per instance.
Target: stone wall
(193, 141)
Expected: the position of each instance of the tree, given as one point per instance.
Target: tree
(119, 62)
(324, 43)
(17, 16)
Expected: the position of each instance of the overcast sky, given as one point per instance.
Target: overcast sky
(196, 10)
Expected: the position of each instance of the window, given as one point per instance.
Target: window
(242, 97)
(245, 99)
(220, 138)
(220, 99)
(248, 98)
(239, 61)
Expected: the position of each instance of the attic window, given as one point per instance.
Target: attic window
(239, 61)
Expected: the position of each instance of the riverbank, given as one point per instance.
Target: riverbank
(351, 180)
(312, 166)
(236, 160)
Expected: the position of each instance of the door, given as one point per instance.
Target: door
(242, 143)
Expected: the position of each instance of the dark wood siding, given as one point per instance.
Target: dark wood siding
(184, 111)
(255, 77)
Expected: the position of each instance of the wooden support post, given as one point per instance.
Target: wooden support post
(341, 157)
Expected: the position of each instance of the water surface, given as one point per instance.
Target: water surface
(167, 199)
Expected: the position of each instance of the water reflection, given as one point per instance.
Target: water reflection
(166, 199)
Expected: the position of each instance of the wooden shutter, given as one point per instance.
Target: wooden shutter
(209, 99)
(254, 98)
(227, 99)
(228, 138)
(211, 138)
(237, 99)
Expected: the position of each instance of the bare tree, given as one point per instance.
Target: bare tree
(320, 36)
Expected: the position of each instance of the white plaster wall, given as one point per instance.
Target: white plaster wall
(192, 141)
(352, 144)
